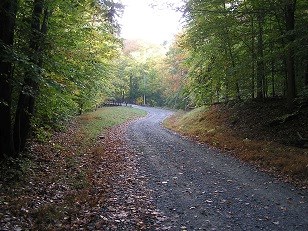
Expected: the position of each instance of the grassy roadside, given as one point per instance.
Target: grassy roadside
(245, 134)
(60, 184)
(96, 123)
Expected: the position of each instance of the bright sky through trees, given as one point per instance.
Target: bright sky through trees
(151, 24)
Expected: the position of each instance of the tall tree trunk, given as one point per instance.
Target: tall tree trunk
(260, 60)
(290, 24)
(26, 102)
(306, 75)
(8, 9)
(238, 92)
(253, 58)
(285, 75)
(273, 77)
(218, 89)
(229, 53)
(227, 87)
(130, 89)
(237, 85)
(265, 87)
(272, 66)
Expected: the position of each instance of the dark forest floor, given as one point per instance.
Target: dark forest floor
(66, 182)
(262, 132)
(269, 120)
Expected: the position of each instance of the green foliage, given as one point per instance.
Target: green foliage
(54, 107)
(81, 54)
(238, 48)
(43, 134)
(77, 64)
(139, 74)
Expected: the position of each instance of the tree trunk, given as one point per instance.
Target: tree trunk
(290, 24)
(26, 102)
(237, 85)
(272, 65)
(306, 75)
(238, 92)
(229, 52)
(8, 9)
(232, 58)
(273, 77)
(227, 88)
(285, 75)
(253, 59)
(130, 89)
(260, 61)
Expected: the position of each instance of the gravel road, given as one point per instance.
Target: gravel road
(199, 188)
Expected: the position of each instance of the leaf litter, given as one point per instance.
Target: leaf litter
(72, 186)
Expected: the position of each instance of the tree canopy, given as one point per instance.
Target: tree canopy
(62, 58)
(56, 61)
(246, 49)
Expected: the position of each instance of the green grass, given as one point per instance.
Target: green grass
(97, 122)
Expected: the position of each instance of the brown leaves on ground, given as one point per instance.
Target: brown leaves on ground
(69, 186)
(245, 129)
(128, 204)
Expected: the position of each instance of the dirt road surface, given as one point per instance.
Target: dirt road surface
(199, 188)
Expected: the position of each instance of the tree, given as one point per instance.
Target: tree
(289, 10)
(8, 9)
(57, 73)
(139, 76)
(255, 44)
(29, 92)
(175, 76)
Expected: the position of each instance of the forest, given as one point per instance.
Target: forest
(56, 62)
(60, 58)
(208, 131)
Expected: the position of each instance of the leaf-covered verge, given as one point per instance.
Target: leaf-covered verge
(69, 181)
(253, 131)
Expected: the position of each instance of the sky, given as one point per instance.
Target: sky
(154, 25)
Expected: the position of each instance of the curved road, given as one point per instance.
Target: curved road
(199, 188)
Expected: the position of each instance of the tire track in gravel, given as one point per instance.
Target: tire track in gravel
(199, 188)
